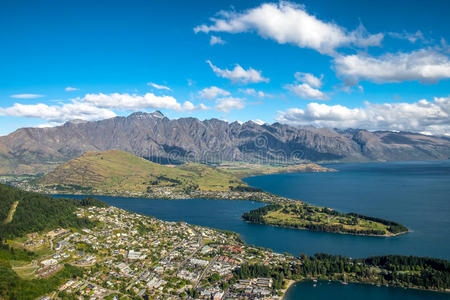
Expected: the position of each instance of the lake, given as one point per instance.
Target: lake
(415, 194)
(325, 290)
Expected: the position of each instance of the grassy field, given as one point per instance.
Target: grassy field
(118, 171)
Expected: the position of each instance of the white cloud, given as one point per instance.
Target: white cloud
(239, 74)
(229, 103)
(426, 66)
(97, 106)
(422, 116)
(136, 102)
(58, 113)
(212, 93)
(304, 90)
(216, 40)
(71, 89)
(307, 86)
(309, 79)
(255, 93)
(288, 22)
(51, 124)
(26, 96)
(258, 121)
(159, 87)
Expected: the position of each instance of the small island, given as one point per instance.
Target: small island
(303, 216)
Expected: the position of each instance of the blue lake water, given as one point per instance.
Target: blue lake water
(338, 291)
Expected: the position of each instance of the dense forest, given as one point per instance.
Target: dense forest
(397, 270)
(23, 212)
(256, 215)
(36, 212)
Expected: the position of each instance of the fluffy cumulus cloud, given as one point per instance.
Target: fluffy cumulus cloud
(216, 40)
(97, 106)
(310, 79)
(287, 22)
(426, 66)
(136, 102)
(58, 113)
(239, 74)
(227, 104)
(422, 116)
(305, 91)
(212, 93)
(26, 96)
(307, 86)
(158, 86)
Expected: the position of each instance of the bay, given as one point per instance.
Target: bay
(415, 194)
(335, 290)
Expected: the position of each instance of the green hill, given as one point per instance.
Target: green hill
(117, 171)
(24, 212)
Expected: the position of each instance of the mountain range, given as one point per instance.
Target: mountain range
(160, 139)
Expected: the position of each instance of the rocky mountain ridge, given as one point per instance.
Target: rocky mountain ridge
(154, 136)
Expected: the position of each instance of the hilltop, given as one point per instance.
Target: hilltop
(120, 172)
(160, 139)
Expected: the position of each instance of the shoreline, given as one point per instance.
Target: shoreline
(344, 233)
(291, 282)
(248, 198)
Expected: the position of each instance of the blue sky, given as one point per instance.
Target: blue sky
(380, 65)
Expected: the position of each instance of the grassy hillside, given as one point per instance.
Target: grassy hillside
(117, 171)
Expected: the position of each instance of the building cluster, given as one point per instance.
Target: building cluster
(126, 254)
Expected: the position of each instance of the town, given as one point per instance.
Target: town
(129, 255)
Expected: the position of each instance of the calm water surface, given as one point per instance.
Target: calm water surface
(338, 291)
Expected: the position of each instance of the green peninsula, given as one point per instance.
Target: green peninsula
(303, 216)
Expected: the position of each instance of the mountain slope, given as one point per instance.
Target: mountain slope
(151, 135)
(119, 172)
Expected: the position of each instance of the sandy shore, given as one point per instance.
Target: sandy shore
(288, 285)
